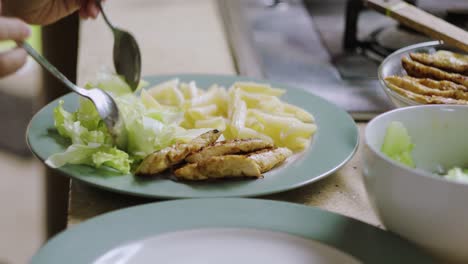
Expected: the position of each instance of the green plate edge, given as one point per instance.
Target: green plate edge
(91, 239)
(334, 144)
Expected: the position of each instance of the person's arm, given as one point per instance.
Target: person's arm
(45, 12)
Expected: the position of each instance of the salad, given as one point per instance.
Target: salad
(149, 128)
(176, 112)
(398, 146)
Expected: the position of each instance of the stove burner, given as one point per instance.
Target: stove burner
(395, 37)
(382, 41)
(386, 40)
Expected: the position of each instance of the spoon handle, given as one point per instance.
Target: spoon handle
(50, 68)
(98, 3)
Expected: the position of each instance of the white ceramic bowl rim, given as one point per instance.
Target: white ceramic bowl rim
(398, 53)
(416, 171)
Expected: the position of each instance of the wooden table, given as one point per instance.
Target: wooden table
(180, 36)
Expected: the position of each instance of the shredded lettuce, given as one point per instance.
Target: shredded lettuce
(397, 144)
(94, 154)
(87, 114)
(150, 127)
(457, 174)
(111, 83)
(80, 130)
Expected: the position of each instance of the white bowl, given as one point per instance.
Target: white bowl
(415, 203)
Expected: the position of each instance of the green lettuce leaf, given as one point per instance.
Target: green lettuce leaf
(80, 128)
(87, 114)
(397, 144)
(113, 158)
(95, 155)
(457, 174)
(63, 120)
(111, 83)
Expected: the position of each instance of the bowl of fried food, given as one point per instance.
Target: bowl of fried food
(426, 73)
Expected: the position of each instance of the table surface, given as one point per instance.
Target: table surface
(180, 36)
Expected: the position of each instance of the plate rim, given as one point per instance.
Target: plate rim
(169, 196)
(233, 207)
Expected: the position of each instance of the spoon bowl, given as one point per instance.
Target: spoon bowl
(126, 53)
(105, 105)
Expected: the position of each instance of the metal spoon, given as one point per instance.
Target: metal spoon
(127, 59)
(105, 105)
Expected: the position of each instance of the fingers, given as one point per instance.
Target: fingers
(89, 9)
(11, 61)
(16, 30)
(83, 13)
(13, 29)
(93, 10)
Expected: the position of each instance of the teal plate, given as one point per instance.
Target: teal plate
(334, 143)
(125, 228)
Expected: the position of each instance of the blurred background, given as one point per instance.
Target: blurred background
(22, 188)
(335, 43)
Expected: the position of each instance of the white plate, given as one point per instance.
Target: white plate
(226, 245)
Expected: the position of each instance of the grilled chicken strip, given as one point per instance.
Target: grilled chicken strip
(267, 159)
(232, 166)
(442, 59)
(170, 156)
(440, 85)
(228, 147)
(420, 70)
(425, 99)
(416, 86)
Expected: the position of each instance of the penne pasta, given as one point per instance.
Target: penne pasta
(245, 110)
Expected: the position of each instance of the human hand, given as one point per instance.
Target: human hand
(89, 9)
(16, 30)
(45, 12)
